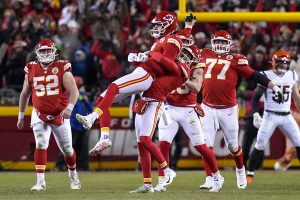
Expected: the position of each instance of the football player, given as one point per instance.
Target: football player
(167, 44)
(219, 98)
(182, 109)
(149, 109)
(276, 116)
(49, 81)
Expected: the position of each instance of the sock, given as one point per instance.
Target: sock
(71, 163)
(104, 133)
(146, 163)
(238, 158)
(105, 119)
(208, 171)
(109, 97)
(209, 156)
(253, 159)
(165, 151)
(40, 161)
(250, 173)
(154, 150)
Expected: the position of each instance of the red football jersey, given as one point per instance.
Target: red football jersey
(182, 96)
(220, 77)
(48, 94)
(162, 86)
(170, 46)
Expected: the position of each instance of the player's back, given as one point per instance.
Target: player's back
(167, 43)
(220, 78)
(286, 83)
(48, 94)
(162, 86)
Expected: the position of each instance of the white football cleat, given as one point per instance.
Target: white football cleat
(39, 186)
(160, 188)
(169, 176)
(100, 146)
(241, 179)
(279, 167)
(217, 185)
(143, 189)
(75, 183)
(86, 121)
(209, 181)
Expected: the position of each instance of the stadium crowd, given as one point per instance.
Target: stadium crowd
(97, 35)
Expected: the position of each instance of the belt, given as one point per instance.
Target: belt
(279, 113)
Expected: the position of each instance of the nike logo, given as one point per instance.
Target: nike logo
(190, 111)
(229, 114)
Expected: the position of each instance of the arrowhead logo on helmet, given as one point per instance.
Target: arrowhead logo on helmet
(164, 23)
(221, 42)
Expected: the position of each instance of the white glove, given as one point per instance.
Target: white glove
(257, 120)
(132, 57)
(142, 57)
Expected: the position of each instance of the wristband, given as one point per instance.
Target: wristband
(70, 106)
(21, 115)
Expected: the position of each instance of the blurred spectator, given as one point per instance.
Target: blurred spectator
(79, 134)
(15, 63)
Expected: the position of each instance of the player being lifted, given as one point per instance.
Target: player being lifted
(182, 109)
(149, 68)
(49, 81)
(219, 98)
(276, 115)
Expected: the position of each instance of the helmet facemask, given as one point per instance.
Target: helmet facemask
(221, 45)
(187, 56)
(46, 54)
(158, 28)
(281, 65)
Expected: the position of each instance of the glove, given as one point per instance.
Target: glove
(142, 57)
(190, 21)
(257, 120)
(279, 95)
(132, 57)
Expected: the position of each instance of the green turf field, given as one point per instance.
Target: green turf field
(116, 185)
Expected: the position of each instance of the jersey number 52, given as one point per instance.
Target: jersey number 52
(46, 85)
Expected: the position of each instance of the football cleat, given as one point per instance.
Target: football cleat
(208, 183)
(39, 186)
(86, 121)
(100, 146)
(169, 176)
(241, 180)
(217, 184)
(143, 189)
(279, 167)
(75, 183)
(160, 188)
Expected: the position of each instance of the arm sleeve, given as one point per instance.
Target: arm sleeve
(172, 48)
(166, 63)
(259, 91)
(260, 79)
